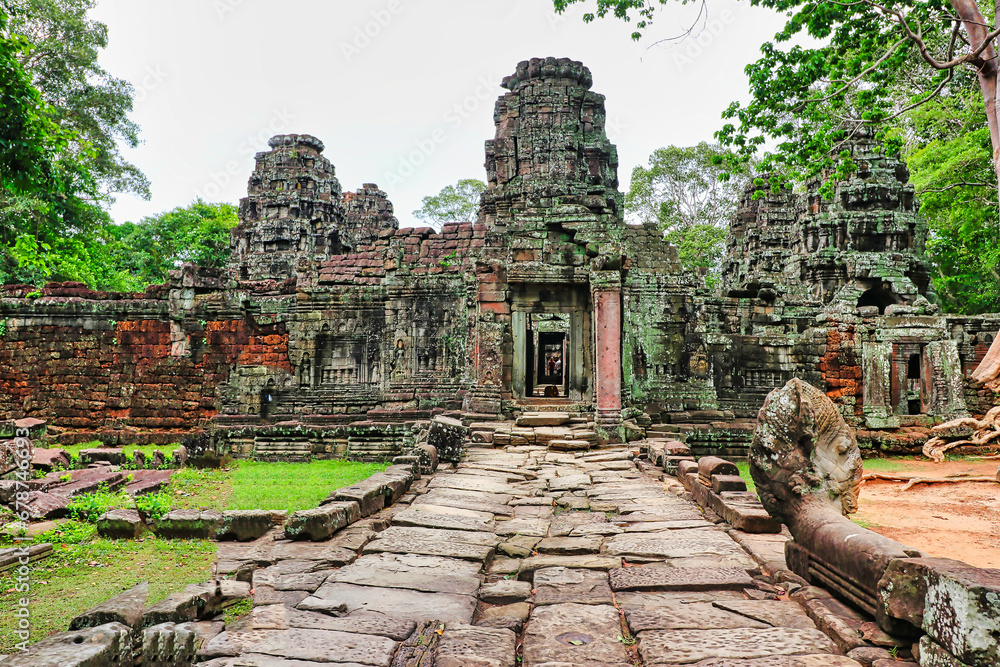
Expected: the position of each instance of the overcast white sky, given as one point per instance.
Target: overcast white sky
(215, 79)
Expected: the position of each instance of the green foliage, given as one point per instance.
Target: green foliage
(950, 160)
(85, 570)
(455, 203)
(833, 68)
(237, 611)
(90, 506)
(197, 233)
(684, 190)
(85, 100)
(154, 505)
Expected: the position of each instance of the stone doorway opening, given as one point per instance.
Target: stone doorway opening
(550, 326)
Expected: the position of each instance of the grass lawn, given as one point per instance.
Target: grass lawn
(130, 450)
(85, 570)
(293, 486)
(744, 468)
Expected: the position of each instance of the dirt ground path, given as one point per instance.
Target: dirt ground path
(959, 521)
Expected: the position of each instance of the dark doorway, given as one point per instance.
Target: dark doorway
(879, 296)
(550, 360)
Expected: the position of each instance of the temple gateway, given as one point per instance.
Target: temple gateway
(334, 332)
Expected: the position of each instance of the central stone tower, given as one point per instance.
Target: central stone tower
(551, 155)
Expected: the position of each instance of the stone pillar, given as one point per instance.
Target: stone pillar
(608, 353)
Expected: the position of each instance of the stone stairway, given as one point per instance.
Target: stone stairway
(520, 556)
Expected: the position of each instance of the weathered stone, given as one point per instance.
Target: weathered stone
(528, 566)
(323, 646)
(421, 573)
(575, 634)
(558, 585)
(112, 456)
(962, 613)
(317, 524)
(674, 647)
(505, 591)
(543, 419)
(246, 525)
(448, 437)
(475, 646)
(281, 617)
(106, 645)
(370, 497)
(569, 546)
(189, 524)
(722, 482)
(692, 616)
(125, 608)
(48, 460)
(528, 527)
(425, 519)
(396, 602)
(666, 578)
(120, 524)
(169, 644)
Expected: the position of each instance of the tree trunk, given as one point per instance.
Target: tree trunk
(978, 29)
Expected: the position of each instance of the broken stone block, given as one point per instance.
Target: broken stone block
(115, 457)
(447, 435)
(902, 590)
(246, 525)
(125, 608)
(370, 497)
(569, 445)
(168, 644)
(543, 419)
(120, 524)
(189, 524)
(505, 591)
(48, 460)
(428, 458)
(41, 505)
(107, 645)
(722, 483)
(316, 524)
(962, 613)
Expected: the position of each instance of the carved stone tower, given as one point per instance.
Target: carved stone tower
(292, 215)
(551, 152)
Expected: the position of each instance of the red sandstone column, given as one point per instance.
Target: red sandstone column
(608, 327)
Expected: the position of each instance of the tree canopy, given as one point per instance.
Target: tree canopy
(197, 233)
(837, 66)
(455, 203)
(681, 191)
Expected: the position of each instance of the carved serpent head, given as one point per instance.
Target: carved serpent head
(803, 450)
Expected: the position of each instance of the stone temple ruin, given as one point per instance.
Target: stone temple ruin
(334, 332)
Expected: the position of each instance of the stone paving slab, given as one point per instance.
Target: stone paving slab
(569, 546)
(778, 614)
(559, 585)
(695, 616)
(821, 660)
(424, 519)
(479, 502)
(574, 634)
(258, 660)
(470, 483)
(668, 545)
(394, 602)
(660, 526)
(684, 647)
(471, 646)
(658, 576)
(421, 505)
(479, 538)
(420, 573)
(279, 617)
(532, 527)
(306, 644)
(591, 529)
(404, 545)
(600, 562)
